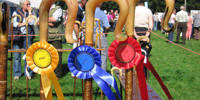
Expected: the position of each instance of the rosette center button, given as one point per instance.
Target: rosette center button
(42, 58)
(84, 62)
(125, 53)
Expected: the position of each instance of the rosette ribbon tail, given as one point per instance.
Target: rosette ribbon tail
(85, 63)
(141, 79)
(150, 67)
(48, 80)
(46, 85)
(104, 79)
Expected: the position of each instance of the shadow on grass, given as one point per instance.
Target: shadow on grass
(65, 69)
(18, 95)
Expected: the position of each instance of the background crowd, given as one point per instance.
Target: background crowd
(186, 25)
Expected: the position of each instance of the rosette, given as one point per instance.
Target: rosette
(43, 59)
(85, 62)
(127, 54)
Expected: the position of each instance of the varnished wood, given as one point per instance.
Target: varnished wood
(129, 85)
(168, 12)
(90, 9)
(129, 32)
(43, 20)
(129, 26)
(87, 95)
(71, 17)
(4, 19)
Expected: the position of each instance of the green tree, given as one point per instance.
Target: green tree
(193, 5)
(109, 6)
(158, 5)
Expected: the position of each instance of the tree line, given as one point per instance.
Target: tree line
(158, 5)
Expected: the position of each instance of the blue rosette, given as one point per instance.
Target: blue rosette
(85, 62)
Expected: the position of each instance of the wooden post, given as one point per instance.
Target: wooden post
(168, 12)
(129, 84)
(43, 20)
(35, 18)
(11, 55)
(42, 97)
(4, 19)
(90, 9)
(129, 31)
(87, 90)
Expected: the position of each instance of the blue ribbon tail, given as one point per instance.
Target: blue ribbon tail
(104, 87)
(102, 75)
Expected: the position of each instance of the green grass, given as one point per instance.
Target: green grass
(178, 68)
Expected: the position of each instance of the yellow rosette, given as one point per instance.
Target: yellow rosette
(43, 59)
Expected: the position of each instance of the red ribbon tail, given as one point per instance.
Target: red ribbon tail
(142, 81)
(150, 67)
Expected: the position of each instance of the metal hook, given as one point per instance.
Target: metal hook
(116, 69)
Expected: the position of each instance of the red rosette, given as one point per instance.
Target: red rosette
(125, 54)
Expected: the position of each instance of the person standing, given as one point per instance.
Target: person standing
(143, 20)
(110, 19)
(155, 20)
(113, 23)
(81, 9)
(112, 13)
(182, 19)
(143, 27)
(189, 27)
(55, 27)
(197, 26)
(171, 24)
(99, 14)
(115, 19)
(19, 28)
(79, 17)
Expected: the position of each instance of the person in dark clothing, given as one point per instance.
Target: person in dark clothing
(143, 26)
(81, 8)
(19, 28)
(55, 27)
(182, 19)
(80, 15)
(197, 26)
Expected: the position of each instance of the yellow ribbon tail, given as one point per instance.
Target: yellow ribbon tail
(100, 35)
(56, 85)
(46, 85)
(49, 96)
(97, 37)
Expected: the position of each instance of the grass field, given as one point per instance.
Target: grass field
(178, 68)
